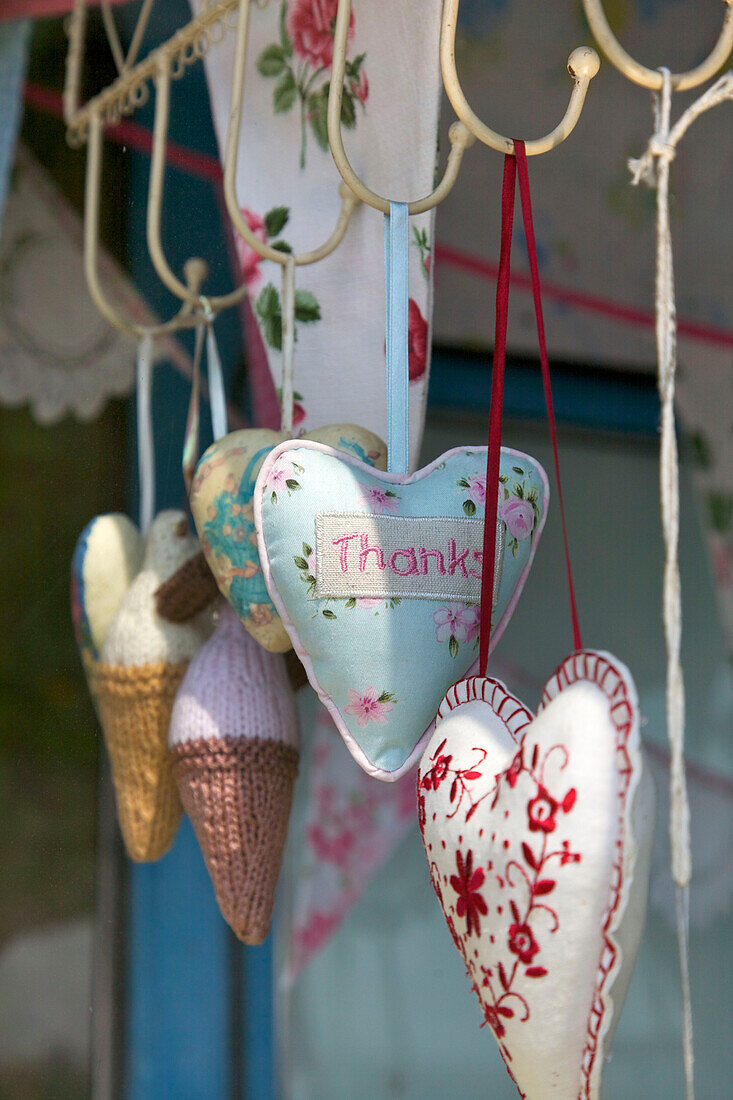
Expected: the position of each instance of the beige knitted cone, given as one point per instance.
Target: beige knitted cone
(134, 708)
(234, 749)
(237, 793)
(142, 664)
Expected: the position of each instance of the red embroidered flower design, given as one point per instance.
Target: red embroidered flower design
(466, 884)
(421, 812)
(432, 779)
(417, 334)
(522, 942)
(310, 26)
(541, 811)
(492, 1018)
(512, 773)
(566, 856)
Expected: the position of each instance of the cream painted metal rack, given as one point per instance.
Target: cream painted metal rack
(170, 60)
(583, 64)
(652, 78)
(128, 92)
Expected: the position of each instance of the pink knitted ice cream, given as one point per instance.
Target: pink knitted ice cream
(234, 747)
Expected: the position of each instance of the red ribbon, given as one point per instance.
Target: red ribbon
(514, 164)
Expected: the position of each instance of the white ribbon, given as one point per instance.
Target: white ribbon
(215, 375)
(653, 169)
(145, 447)
(287, 309)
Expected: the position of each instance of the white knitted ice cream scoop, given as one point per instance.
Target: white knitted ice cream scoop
(138, 635)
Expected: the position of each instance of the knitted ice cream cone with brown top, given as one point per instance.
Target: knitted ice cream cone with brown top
(234, 747)
(143, 662)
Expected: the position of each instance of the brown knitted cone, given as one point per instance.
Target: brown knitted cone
(237, 792)
(135, 708)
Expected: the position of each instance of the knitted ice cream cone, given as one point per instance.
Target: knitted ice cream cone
(143, 662)
(234, 747)
(107, 558)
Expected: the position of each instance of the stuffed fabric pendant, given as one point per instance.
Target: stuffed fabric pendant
(538, 833)
(221, 503)
(377, 576)
(234, 744)
(107, 558)
(143, 660)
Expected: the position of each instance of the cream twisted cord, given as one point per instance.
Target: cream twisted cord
(653, 168)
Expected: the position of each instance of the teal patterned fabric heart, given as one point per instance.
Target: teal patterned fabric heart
(376, 577)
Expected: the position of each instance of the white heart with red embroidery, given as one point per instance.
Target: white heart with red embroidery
(538, 834)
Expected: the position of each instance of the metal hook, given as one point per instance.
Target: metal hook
(460, 136)
(583, 64)
(195, 270)
(652, 78)
(155, 199)
(231, 160)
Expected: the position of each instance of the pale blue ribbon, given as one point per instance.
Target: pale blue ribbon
(396, 248)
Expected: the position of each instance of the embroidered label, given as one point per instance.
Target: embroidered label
(406, 557)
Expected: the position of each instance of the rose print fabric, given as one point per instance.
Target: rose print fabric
(289, 191)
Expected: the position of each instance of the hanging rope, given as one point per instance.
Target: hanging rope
(653, 169)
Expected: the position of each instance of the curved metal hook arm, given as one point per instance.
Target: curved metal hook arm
(583, 64)
(231, 160)
(155, 200)
(460, 137)
(187, 317)
(652, 78)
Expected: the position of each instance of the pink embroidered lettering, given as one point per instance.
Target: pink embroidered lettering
(439, 560)
(345, 540)
(366, 549)
(456, 559)
(411, 559)
(382, 556)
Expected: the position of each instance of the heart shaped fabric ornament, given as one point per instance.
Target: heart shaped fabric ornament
(107, 557)
(376, 577)
(142, 663)
(538, 833)
(234, 745)
(221, 503)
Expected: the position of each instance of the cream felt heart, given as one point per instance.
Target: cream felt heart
(221, 503)
(538, 834)
(377, 577)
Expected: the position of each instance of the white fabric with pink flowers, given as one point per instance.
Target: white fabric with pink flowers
(288, 187)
